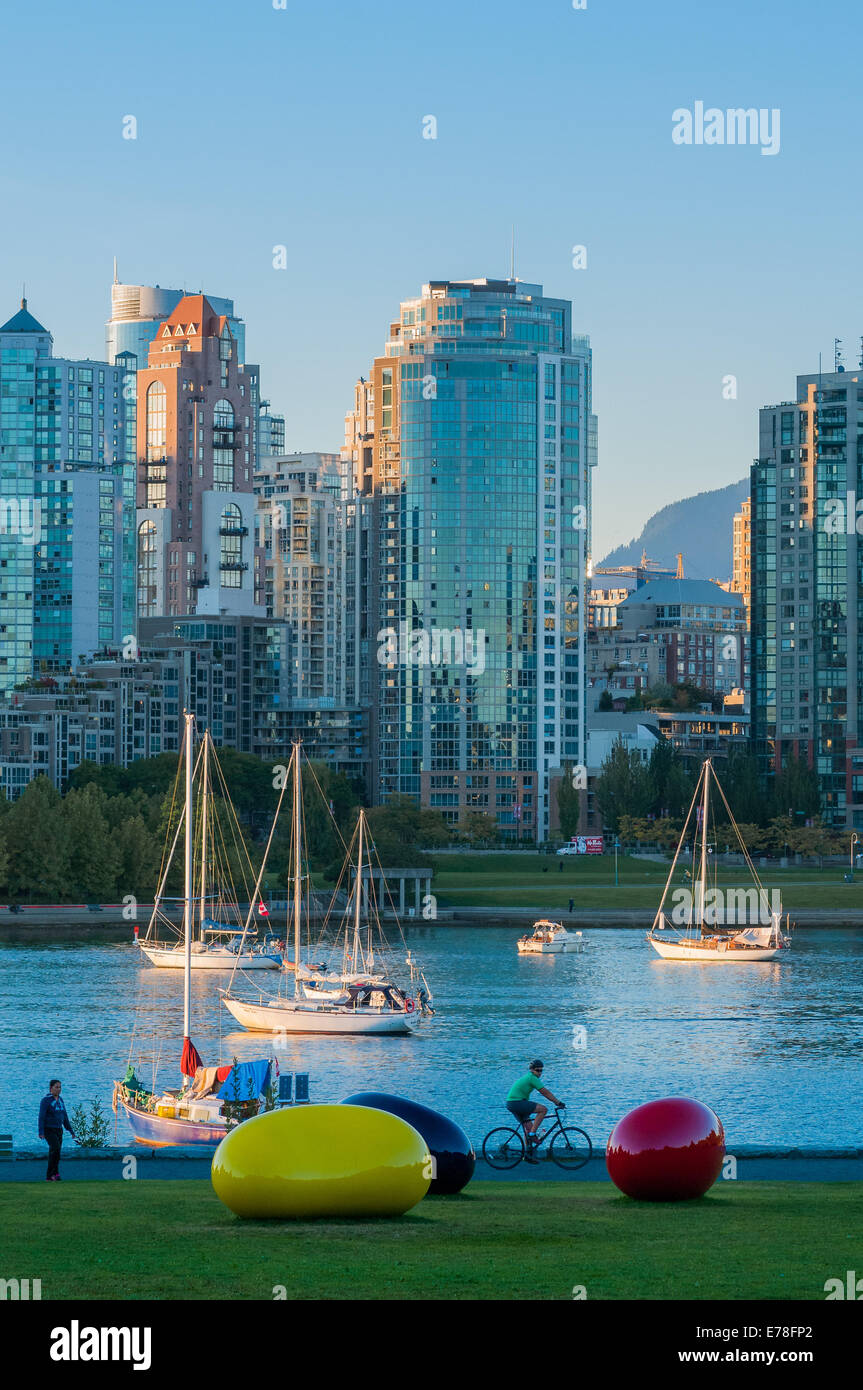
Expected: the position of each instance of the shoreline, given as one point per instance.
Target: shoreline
(57, 924)
(755, 1163)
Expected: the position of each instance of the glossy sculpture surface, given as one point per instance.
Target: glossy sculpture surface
(667, 1150)
(452, 1151)
(322, 1160)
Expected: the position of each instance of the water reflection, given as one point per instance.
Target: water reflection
(774, 1048)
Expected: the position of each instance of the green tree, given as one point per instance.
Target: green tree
(94, 860)
(670, 783)
(37, 840)
(795, 791)
(623, 786)
(477, 828)
(605, 702)
(568, 803)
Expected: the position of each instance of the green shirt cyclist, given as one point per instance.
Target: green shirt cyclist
(529, 1112)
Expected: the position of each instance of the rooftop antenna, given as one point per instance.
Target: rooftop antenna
(116, 281)
(679, 574)
(837, 355)
(512, 254)
(860, 363)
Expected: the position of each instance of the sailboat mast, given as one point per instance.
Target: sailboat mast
(703, 875)
(359, 889)
(205, 771)
(187, 886)
(297, 864)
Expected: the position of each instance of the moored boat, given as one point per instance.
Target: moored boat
(550, 939)
(706, 934)
(210, 1100)
(362, 996)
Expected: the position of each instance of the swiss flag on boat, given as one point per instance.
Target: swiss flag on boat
(263, 909)
(191, 1058)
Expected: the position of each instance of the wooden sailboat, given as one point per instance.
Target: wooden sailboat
(359, 998)
(218, 921)
(210, 1099)
(706, 934)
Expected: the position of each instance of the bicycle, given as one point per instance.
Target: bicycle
(569, 1146)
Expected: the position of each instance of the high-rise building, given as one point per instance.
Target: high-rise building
(473, 437)
(197, 420)
(806, 610)
(302, 531)
(271, 433)
(741, 576)
(67, 499)
(138, 311)
(306, 526)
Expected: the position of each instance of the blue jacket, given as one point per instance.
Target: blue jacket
(52, 1115)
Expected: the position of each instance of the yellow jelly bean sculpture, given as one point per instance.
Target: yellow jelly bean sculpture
(322, 1160)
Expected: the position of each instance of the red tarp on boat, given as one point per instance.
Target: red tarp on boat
(191, 1058)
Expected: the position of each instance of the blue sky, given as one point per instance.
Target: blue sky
(303, 127)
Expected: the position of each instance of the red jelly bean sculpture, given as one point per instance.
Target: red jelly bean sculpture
(666, 1150)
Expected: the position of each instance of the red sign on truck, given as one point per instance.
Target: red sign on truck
(588, 844)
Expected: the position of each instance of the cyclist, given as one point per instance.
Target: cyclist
(529, 1112)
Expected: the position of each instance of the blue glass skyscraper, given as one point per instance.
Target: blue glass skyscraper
(475, 437)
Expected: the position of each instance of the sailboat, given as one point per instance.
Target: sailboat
(216, 941)
(357, 997)
(210, 1100)
(704, 935)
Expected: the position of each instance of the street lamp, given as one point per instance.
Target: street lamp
(854, 838)
(616, 847)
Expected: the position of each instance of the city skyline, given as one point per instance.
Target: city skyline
(691, 253)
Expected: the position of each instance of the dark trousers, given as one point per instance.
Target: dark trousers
(54, 1140)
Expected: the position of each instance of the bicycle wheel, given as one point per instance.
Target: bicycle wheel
(570, 1149)
(503, 1148)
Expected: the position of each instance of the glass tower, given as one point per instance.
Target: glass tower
(807, 588)
(475, 434)
(66, 505)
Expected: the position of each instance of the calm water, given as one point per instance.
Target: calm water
(775, 1049)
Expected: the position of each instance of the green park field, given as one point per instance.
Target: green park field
(537, 880)
(497, 1240)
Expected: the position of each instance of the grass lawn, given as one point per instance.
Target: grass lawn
(498, 1240)
(536, 880)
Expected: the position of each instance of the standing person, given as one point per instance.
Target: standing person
(52, 1121)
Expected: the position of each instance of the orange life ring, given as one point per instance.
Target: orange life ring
(409, 1005)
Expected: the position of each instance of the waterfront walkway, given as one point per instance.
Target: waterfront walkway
(753, 1165)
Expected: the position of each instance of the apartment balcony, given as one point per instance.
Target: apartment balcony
(233, 565)
(224, 439)
(233, 530)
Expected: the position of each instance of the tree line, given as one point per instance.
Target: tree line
(104, 839)
(646, 801)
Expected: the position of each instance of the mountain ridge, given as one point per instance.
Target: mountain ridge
(700, 526)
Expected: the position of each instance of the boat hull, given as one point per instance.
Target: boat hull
(172, 958)
(157, 1131)
(718, 954)
(265, 1018)
(553, 948)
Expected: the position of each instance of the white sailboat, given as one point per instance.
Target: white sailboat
(358, 998)
(210, 1100)
(706, 935)
(220, 923)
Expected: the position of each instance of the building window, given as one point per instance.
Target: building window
(231, 532)
(147, 570)
(223, 446)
